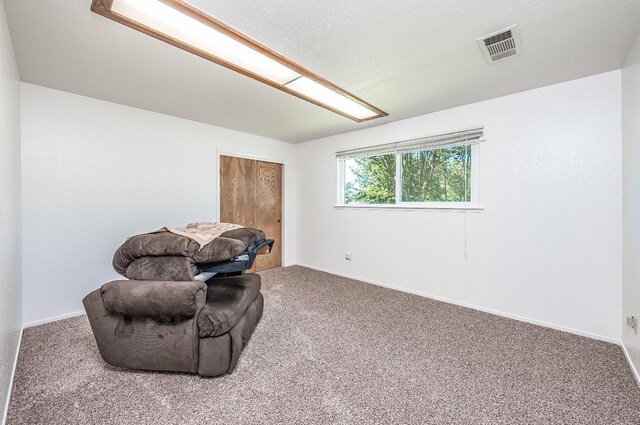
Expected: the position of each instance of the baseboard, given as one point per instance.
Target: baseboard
(53, 319)
(631, 365)
(474, 307)
(13, 374)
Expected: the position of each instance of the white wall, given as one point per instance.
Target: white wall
(547, 247)
(631, 202)
(10, 253)
(96, 172)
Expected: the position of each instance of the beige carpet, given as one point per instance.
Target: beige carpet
(336, 351)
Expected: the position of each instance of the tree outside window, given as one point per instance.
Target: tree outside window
(436, 175)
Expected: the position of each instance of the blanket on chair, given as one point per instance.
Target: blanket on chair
(203, 233)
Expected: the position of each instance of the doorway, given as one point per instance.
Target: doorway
(251, 195)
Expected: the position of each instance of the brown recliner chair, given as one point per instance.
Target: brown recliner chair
(181, 326)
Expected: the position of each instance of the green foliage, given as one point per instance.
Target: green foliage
(374, 180)
(440, 175)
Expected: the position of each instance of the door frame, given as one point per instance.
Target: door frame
(275, 160)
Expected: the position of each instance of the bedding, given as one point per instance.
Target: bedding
(203, 233)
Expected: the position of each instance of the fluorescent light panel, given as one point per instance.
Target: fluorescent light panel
(172, 23)
(317, 91)
(165, 19)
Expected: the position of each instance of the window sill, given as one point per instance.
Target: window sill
(409, 207)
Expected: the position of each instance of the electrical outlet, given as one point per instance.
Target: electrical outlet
(632, 322)
(347, 256)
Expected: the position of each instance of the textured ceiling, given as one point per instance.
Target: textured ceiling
(407, 57)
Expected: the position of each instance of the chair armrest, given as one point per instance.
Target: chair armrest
(151, 298)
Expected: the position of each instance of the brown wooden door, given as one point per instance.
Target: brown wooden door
(251, 195)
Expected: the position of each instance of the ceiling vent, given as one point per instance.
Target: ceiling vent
(501, 45)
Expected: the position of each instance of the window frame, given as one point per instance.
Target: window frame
(473, 203)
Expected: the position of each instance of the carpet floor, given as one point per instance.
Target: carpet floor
(330, 350)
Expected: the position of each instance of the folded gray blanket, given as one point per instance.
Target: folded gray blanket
(167, 256)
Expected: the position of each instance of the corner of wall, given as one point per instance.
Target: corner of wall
(10, 215)
(630, 290)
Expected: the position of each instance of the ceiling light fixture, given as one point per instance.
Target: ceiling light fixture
(182, 25)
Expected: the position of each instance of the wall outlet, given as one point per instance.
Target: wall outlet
(632, 322)
(347, 256)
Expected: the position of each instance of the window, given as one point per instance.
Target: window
(370, 180)
(435, 171)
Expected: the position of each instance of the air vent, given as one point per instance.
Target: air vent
(501, 45)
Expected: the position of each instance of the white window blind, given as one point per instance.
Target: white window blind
(457, 138)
